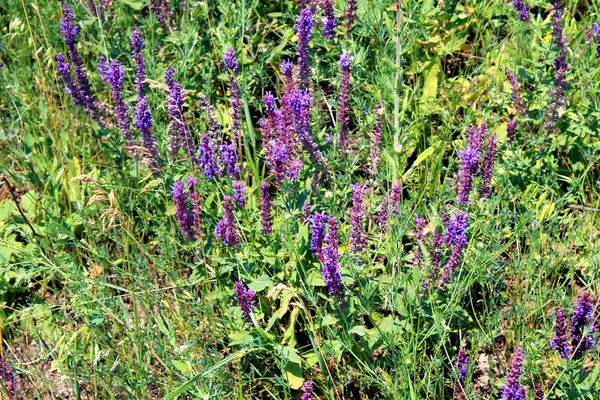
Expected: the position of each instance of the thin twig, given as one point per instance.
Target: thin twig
(586, 208)
(14, 197)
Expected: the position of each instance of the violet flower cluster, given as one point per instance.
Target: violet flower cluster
(596, 28)
(317, 229)
(584, 324)
(304, 24)
(350, 14)
(395, 199)
(179, 132)
(511, 129)
(331, 260)
(77, 83)
(461, 369)
(472, 163)
(162, 11)
(329, 21)
(521, 7)
(113, 74)
(455, 238)
(419, 239)
(226, 229)
(239, 192)
(307, 391)
(512, 389)
(358, 238)
(383, 217)
(8, 380)
(246, 299)
(343, 114)
(231, 66)
(188, 209)
(265, 209)
(560, 67)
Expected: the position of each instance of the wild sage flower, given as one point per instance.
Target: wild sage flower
(511, 129)
(395, 198)
(306, 211)
(560, 67)
(228, 159)
(300, 102)
(375, 154)
(596, 27)
(582, 315)
(539, 392)
(239, 191)
(92, 8)
(461, 366)
(246, 299)
(454, 236)
(512, 390)
(487, 167)
(304, 24)
(329, 21)
(317, 229)
(179, 132)
(265, 208)
(560, 341)
(419, 239)
(307, 390)
(185, 209)
(343, 114)
(162, 11)
(78, 87)
(226, 229)
(515, 91)
(350, 15)
(114, 77)
(208, 161)
(521, 7)
(331, 260)
(436, 257)
(358, 238)
(469, 162)
(231, 66)
(8, 380)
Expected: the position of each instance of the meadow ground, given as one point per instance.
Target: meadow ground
(235, 199)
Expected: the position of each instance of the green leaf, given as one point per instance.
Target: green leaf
(261, 283)
(136, 5)
(181, 366)
(430, 86)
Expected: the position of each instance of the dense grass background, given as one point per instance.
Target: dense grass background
(102, 297)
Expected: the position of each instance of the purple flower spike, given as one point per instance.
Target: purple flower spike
(245, 299)
(436, 256)
(137, 44)
(358, 238)
(560, 340)
(512, 390)
(382, 218)
(343, 114)
(331, 260)
(539, 392)
(208, 161)
(183, 211)
(143, 121)
(8, 380)
(350, 15)
(162, 10)
(396, 198)
(304, 24)
(307, 391)
(560, 68)
(516, 92)
(228, 160)
(455, 236)
(226, 229)
(596, 27)
(179, 133)
(469, 163)
(511, 129)
(461, 369)
(317, 229)
(78, 87)
(265, 208)
(114, 77)
(420, 239)
(239, 191)
(521, 7)
(329, 20)
(582, 315)
(229, 61)
(487, 167)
